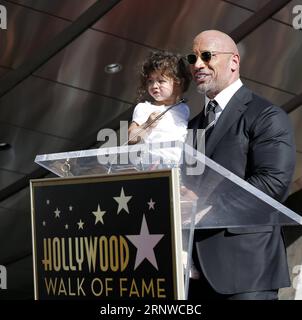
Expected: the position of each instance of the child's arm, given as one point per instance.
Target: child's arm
(142, 129)
(133, 130)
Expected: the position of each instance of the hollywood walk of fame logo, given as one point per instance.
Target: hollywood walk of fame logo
(116, 240)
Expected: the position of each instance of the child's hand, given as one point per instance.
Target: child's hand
(151, 118)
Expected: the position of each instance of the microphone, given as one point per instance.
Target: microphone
(145, 127)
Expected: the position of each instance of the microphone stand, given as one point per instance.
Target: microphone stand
(145, 127)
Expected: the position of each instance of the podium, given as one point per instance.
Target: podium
(118, 223)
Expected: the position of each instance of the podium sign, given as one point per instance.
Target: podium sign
(112, 236)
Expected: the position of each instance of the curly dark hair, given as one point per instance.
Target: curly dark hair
(167, 63)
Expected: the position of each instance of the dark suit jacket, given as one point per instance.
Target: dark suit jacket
(253, 139)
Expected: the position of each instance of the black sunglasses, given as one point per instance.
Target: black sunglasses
(205, 56)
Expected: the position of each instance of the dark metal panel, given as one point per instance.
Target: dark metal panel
(15, 250)
(298, 169)
(8, 177)
(3, 71)
(273, 56)
(96, 11)
(257, 19)
(27, 32)
(170, 24)
(286, 14)
(15, 238)
(25, 145)
(296, 118)
(253, 5)
(68, 9)
(61, 111)
(75, 68)
(19, 202)
(275, 96)
(20, 281)
(82, 65)
(293, 104)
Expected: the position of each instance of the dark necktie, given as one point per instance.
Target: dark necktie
(209, 120)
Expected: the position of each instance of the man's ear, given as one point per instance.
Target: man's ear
(235, 62)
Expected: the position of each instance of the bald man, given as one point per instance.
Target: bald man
(251, 137)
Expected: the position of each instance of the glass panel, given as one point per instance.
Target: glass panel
(216, 197)
(210, 195)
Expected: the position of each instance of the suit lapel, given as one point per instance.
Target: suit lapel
(231, 113)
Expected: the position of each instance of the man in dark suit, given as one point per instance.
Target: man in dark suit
(253, 139)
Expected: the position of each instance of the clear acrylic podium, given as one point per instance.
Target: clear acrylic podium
(210, 195)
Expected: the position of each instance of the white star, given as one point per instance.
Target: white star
(57, 212)
(122, 201)
(70, 208)
(44, 223)
(145, 242)
(80, 224)
(99, 215)
(47, 202)
(66, 226)
(151, 204)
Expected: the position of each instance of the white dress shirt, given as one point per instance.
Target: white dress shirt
(224, 97)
